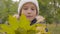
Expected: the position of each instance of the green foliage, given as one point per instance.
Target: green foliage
(21, 26)
(24, 22)
(6, 29)
(24, 25)
(50, 11)
(20, 31)
(13, 22)
(7, 7)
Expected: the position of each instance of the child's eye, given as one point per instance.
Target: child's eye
(32, 9)
(25, 8)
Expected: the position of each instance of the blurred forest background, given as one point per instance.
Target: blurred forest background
(50, 9)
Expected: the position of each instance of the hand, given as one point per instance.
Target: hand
(40, 19)
(16, 15)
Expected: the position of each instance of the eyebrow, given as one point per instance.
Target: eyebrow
(27, 6)
(24, 6)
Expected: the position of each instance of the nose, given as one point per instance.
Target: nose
(29, 11)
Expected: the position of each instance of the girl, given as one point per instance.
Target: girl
(30, 9)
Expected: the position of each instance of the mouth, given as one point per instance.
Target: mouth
(29, 16)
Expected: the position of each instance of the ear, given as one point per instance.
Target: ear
(40, 19)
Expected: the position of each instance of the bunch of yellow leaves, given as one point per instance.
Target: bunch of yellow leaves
(21, 26)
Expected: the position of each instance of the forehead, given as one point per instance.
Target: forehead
(29, 4)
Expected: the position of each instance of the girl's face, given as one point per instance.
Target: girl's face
(29, 10)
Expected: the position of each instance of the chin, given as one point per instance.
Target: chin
(30, 19)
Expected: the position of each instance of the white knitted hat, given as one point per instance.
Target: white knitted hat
(22, 2)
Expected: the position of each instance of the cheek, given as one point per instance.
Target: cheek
(34, 13)
(23, 12)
